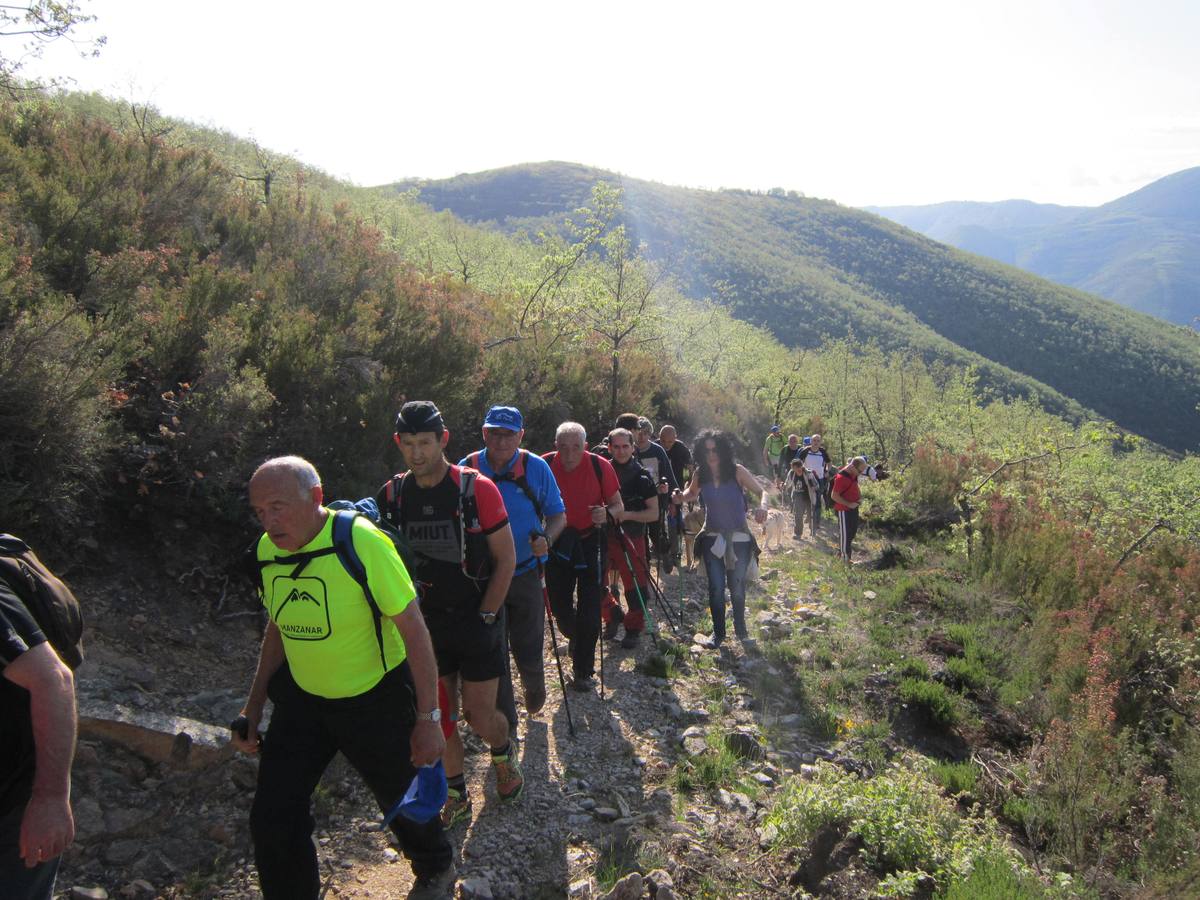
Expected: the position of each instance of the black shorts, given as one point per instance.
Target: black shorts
(464, 645)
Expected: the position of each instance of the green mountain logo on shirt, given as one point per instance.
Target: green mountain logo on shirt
(303, 612)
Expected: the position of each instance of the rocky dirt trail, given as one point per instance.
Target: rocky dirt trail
(162, 805)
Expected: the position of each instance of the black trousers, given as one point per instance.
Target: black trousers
(525, 611)
(580, 623)
(372, 730)
(847, 529)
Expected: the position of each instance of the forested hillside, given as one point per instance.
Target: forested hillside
(1015, 698)
(810, 269)
(1140, 250)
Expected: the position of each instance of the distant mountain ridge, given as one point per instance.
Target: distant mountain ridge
(809, 268)
(1141, 250)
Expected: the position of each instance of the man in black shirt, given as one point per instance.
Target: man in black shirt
(37, 744)
(626, 545)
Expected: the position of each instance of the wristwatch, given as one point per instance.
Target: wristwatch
(489, 618)
(435, 715)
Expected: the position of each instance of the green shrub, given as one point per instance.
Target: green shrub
(906, 824)
(994, 877)
(956, 777)
(966, 673)
(931, 698)
(914, 667)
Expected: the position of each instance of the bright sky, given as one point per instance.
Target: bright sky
(866, 102)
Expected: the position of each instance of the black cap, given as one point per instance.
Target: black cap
(419, 415)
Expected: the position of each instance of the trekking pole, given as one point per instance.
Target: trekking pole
(659, 596)
(601, 549)
(626, 543)
(562, 680)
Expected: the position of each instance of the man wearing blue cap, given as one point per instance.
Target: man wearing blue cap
(536, 515)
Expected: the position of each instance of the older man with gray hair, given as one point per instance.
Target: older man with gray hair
(590, 491)
(347, 669)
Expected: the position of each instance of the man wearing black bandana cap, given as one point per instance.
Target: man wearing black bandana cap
(456, 524)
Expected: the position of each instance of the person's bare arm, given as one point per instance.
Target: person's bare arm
(427, 743)
(693, 489)
(270, 658)
(554, 527)
(649, 514)
(504, 562)
(47, 826)
(614, 506)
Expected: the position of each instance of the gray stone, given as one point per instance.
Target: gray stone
(606, 814)
(475, 889)
(89, 818)
(88, 893)
(580, 890)
(767, 835)
(628, 888)
(657, 880)
(744, 745)
(138, 889)
(122, 853)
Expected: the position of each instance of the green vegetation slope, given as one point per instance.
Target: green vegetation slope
(809, 269)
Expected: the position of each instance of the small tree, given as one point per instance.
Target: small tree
(36, 24)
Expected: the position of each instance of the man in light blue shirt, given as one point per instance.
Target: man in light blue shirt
(536, 515)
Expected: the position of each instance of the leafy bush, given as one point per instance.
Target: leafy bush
(906, 824)
(931, 698)
(956, 777)
(966, 673)
(995, 878)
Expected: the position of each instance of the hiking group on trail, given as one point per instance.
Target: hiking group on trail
(389, 614)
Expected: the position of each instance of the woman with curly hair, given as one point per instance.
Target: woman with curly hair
(725, 544)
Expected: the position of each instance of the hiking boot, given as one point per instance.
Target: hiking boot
(613, 623)
(535, 696)
(456, 809)
(585, 684)
(710, 643)
(508, 775)
(631, 639)
(435, 887)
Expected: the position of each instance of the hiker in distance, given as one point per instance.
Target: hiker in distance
(455, 522)
(846, 499)
(627, 539)
(343, 668)
(772, 450)
(681, 464)
(37, 744)
(575, 573)
(536, 516)
(725, 544)
(816, 460)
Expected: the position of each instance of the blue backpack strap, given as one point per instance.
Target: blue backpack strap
(343, 546)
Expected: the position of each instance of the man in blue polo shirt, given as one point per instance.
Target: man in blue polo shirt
(536, 515)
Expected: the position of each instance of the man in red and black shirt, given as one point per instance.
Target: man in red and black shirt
(455, 522)
(590, 492)
(846, 500)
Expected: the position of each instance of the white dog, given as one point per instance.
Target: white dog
(773, 529)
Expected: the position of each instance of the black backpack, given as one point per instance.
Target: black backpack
(475, 557)
(50, 602)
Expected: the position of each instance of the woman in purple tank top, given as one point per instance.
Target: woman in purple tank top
(725, 544)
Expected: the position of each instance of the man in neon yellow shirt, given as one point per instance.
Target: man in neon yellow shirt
(772, 449)
(341, 679)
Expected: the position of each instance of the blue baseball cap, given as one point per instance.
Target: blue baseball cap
(425, 797)
(774, 428)
(808, 442)
(504, 417)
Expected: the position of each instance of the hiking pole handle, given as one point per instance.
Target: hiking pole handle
(241, 727)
